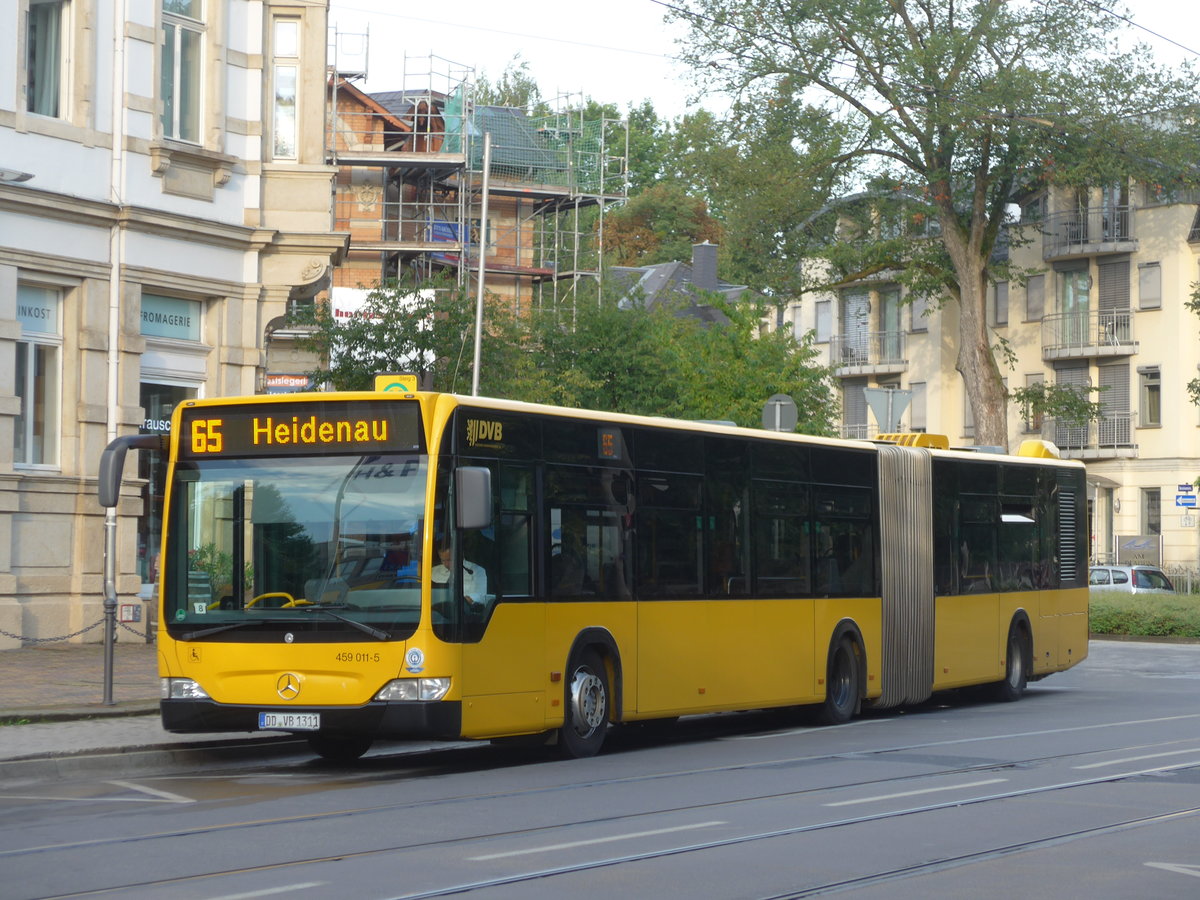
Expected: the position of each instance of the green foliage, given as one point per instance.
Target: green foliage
(218, 566)
(658, 225)
(1146, 615)
(1193, 303)
(424, 327)
(655, 362)
(605, 355)
(1065, 402)
(516, 87)
(944, 109)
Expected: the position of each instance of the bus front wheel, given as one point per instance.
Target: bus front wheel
(843, 687)
(587, 707)
(342, 748)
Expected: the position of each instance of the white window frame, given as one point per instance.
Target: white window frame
(28, 345)
(60, 65)
(822, 321)
(175, 25)
(1149, 385)
(1000, 304)
(285, 110)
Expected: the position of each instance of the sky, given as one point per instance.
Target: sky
(614, 51)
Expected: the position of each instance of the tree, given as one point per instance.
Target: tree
(424, 327)
(516, 87)
(658, 225)
(955, 106)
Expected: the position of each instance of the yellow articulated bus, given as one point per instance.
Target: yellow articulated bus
(362, 565)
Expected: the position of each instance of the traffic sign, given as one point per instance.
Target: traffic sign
(780, 413)
(1186, 489)
(1185, 499)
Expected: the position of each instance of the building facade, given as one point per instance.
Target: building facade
(1101, 304)
(164, 195)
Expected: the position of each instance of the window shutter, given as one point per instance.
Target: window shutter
(1114, 403)
(1150, 285)
(1035, 298)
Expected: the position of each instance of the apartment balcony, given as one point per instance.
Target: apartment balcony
(870, 353)
(857, 432)
(1090, 231)
(1086, 335)
(1109, 438)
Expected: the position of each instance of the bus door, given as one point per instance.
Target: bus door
(486, 584)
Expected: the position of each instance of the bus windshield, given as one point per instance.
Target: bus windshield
(314, 546)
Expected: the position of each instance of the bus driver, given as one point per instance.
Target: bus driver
(474, 577)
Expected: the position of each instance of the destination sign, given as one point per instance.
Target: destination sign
(280, 429)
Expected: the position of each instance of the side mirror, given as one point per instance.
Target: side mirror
(473, 490)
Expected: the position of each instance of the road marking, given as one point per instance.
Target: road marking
(153, 792)
(801, 729)
(951, 787)
(1129, 759)
(1178, 868)
(604, 840)
(267, 892)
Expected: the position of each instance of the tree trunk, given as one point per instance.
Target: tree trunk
(976, 362)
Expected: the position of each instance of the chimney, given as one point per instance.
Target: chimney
(704, 266)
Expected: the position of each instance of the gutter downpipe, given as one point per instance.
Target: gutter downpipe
(116, 257)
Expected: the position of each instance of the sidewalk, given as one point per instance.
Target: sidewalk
(53, 719)
(54, 682)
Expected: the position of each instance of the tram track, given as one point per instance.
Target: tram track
(460, 842)
(870, 879)
(412, 807)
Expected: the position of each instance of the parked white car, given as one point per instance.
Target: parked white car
(1130, 580)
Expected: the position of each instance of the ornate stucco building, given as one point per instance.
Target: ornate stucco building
(164, 194)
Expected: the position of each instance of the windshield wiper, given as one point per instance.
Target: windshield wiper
(217, 629)
(229, 626)
(361, 626)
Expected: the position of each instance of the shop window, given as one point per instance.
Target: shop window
(38, 376)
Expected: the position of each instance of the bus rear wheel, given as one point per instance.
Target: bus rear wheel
(1016, 668)
(341, 748)
(843, 687)
(585, 721)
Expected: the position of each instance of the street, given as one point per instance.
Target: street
(1089, 786)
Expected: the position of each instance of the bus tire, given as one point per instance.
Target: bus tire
(1016, 667)
(843, 683)
(585, 719)
(342, 748)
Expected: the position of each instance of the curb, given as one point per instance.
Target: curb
(149, 760)
(74, 713)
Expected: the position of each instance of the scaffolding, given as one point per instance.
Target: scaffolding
(410, 179)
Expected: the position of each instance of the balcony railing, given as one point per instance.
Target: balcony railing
(1087, 334)
(1093, 229)
(1109, 437)
(869, 352)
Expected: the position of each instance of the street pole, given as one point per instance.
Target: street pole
(483, 214)
(110, 599)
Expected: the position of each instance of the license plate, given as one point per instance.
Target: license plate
(289, 721)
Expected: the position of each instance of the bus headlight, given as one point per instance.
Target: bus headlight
(414, 689)
(181, 689)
